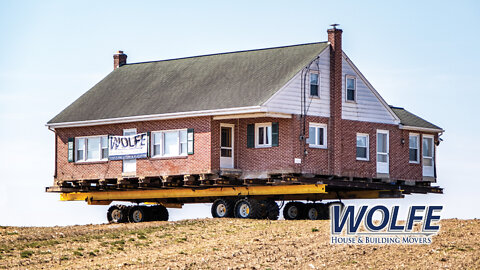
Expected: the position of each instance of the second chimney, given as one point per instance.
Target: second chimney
(119, 59)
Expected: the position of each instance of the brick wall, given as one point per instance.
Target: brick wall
(199, 162)
(253, 161)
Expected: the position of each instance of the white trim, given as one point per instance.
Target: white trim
(85, 149)
(347, 76)
(266, 134)
(367, 83)
(232, 126)
(421, 129)
(317, 126)
(387, 163)
(432, 167)
(162, 146)
(128, 130)
(418, 147)
(252, 115)
(164, 116)
(367, 144)
(310, 83)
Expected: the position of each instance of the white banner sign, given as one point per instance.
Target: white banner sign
(128, 147)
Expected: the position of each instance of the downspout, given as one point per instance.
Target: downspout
(56, 144)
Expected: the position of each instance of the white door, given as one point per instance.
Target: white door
(129, 165)
(226, 145)
(382, 151)
(427, 156)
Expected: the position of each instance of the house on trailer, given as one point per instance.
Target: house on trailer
(244, 117)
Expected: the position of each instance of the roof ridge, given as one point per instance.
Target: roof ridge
(222, 53)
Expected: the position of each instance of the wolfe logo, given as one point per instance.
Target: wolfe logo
(359, 227)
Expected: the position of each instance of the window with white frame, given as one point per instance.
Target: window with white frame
(351, 88)
(263, 135)
(427, 150)
(413, 148)
(169, 143)
(94, 148)
(314, 84)
(362, 147)
(317, 135)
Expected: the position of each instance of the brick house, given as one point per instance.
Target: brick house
(302, 110)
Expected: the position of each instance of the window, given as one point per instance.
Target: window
(427, 151)
(263, 135)
(91, 148)
(169, 143)
(362, 146)
(314, 83)
(317, 135)
(413, 148)
(351, 88)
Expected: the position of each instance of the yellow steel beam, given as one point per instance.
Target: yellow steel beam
(192, 193)
(363, 194)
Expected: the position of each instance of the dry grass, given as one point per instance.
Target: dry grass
(227, 243)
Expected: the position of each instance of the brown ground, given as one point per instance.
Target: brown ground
(227, 243)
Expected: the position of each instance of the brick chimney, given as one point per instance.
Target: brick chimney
(335, 39)
(119, 59)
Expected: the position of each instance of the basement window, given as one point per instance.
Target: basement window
(93, 148)
(362, 146)
(351, 88)
(263, 135)
(413, 148)
(169, 143)
(314, 84)
(317, 135)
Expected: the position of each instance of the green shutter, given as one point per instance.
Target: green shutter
(71, 149)
(148, 144)
(250, 136)
(190, 140)
(275, 134)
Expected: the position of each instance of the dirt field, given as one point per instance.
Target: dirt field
(227, 244)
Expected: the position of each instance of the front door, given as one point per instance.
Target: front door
(129, 165)
(226, 145)
(427, 155)
(382, 152)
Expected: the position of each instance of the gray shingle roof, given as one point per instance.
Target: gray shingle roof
(218, 81)
(409, 119)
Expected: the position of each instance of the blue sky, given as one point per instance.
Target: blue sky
(421, 55)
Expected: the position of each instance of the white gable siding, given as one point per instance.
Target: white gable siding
(368, 107)
(288, 98)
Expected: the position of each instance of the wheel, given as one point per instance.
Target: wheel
(327, 208)
(137, 214)
(294, 210)
(158, 213)
(323, 211)
(222, 208)
(248, 208)
(117, 214)
(271, 209)
(312, 211)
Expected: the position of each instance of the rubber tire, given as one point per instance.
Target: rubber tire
(323, 211)
(300, 210)
(271, 209)
(312, 211)
(143, 217)
(158, 213)
(342, 205)
(255, 209)
(123, 214)
(229, 208)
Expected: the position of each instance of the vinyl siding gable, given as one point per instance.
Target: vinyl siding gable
(288, 98)
(369, 106)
